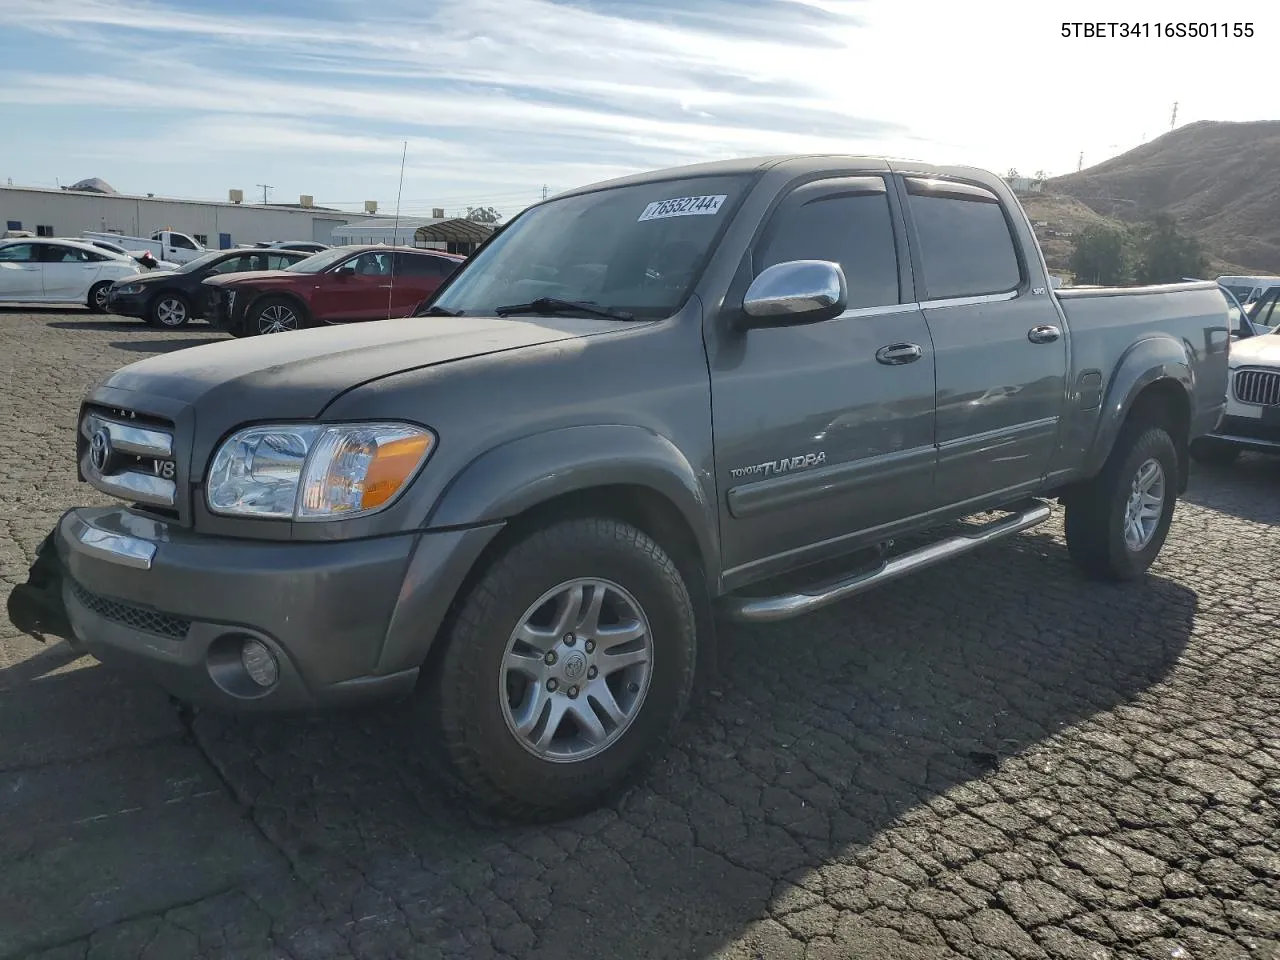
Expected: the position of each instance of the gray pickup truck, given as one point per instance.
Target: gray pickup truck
(724, 389)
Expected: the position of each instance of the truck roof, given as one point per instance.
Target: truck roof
(800, 163)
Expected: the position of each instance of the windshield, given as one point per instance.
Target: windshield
(319, 262)
(635, 249)
(199, 263)
(1240, 292)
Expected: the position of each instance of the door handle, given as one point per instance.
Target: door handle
(898, 353)
(1043, 334)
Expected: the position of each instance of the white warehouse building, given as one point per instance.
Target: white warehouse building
(450, 234)
(214, 224)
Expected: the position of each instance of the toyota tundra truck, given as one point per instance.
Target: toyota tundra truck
(717, 392)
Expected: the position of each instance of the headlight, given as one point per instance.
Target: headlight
(313, 471)
(126, 288)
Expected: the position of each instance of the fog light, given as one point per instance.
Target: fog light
(259, 663)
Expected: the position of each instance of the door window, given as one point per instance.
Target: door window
(18, 253)
(849, 223)
(421, 265)
(1264, 311)
(371, 264)
(241, 264)
(181, 242)
(966, 247)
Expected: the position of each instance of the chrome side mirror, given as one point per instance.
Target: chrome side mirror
(796, 292)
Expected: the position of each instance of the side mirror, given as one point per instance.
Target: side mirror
(796, 292)
(345, 272)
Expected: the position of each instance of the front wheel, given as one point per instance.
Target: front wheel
(274, 315)
(569, 663)
(170, 311)
(1117, 523)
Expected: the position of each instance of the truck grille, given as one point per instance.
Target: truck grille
(1257, 386)
(127, 615)
(128, 455)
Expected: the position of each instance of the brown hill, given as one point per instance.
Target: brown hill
(1220, 180)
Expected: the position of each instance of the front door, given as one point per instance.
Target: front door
(824, 432)
(359, 295)
(1000, 345)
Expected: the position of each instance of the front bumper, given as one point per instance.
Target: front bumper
(346, 621)
(129, 305)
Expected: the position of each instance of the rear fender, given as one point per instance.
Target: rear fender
(1146, 362)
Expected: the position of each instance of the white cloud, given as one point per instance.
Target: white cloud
(501, 95)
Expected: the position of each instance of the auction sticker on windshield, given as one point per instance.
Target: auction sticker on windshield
(683, 207)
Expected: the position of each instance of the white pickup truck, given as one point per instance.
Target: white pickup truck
(163, 244)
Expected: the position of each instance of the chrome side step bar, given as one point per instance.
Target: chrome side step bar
(786, 606)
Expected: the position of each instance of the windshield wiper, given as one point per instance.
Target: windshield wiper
(554, 305)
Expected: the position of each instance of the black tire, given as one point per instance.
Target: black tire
(169, 310)
(97, 299)
(1095, 514)
(265, 316)
(1214, 453)
(486, 760)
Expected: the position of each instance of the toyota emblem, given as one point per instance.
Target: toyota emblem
(100, 449)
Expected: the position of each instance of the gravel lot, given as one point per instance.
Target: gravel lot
(994, 759)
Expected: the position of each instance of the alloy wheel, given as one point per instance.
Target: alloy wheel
(576, 670)
(1145, 505)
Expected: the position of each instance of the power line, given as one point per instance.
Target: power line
(265, 187)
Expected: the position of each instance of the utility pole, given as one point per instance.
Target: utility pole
(544, 191)
(1080, 162)
(1174, 119)
(265, 187)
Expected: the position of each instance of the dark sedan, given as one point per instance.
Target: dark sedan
(170, 298)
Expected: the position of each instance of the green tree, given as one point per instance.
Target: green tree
(483, 214)
(1164, 255)
(1100, 255)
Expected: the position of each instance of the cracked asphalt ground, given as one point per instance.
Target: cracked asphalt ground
(995, 759)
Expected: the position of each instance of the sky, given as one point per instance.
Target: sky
(491, 100)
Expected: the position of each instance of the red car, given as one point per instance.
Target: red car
(340, 285)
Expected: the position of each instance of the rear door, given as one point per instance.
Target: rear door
(418, 276)
(824, 432)
(69, 272)
(1001, 351)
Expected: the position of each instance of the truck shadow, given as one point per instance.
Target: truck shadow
(817, 736)
(1246, 489)
(101, 326)
(152, 346)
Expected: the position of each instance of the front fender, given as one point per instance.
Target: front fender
(523, 473)
(1146, 362)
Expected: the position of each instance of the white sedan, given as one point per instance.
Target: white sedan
(46, 270)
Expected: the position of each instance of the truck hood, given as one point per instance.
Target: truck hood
(295, 375)
(1263, 349)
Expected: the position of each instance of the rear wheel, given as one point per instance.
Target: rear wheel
(1212, 452)
(1117, 523)
(274, 315)
(170, 311)
(97, 300)
(569, 663)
